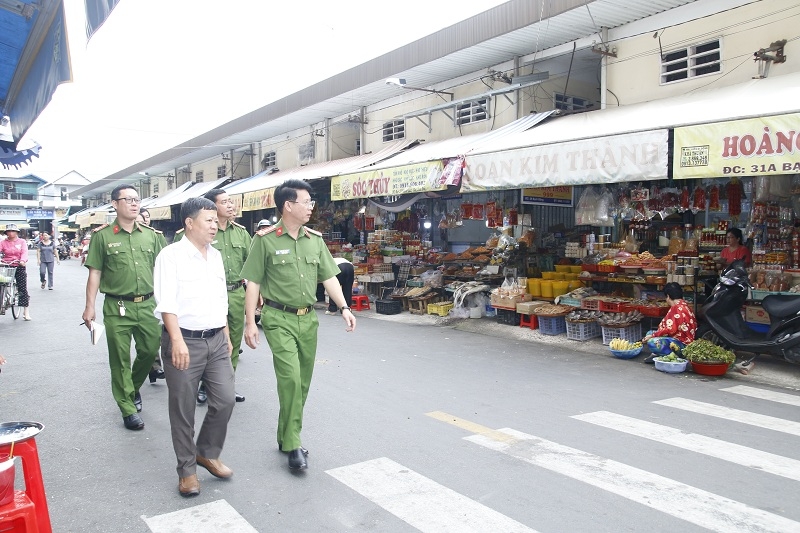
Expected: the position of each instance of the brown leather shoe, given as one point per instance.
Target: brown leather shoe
(215, 467)
(189, 486)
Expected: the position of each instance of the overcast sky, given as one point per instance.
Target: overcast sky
(159, 72)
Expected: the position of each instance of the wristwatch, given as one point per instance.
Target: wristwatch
(345, 307)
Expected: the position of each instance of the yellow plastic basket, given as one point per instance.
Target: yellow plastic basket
(441, 309)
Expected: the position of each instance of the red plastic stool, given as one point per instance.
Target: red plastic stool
(19, 515)
(528, 321)
(34, 483)
(361, 302)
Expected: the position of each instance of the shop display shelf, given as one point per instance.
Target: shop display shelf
(582, 331)
(552, 325)
(631, 333)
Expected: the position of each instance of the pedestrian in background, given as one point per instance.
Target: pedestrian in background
(233, 242)
(47, 257)
(345, 277)
(120, 260)
(192, 303)
(15, 253)
(284, 265)
(157, 370)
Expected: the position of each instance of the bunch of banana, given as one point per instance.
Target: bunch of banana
(623, 345)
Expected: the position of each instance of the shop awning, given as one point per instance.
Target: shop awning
(20, 225)
(94, 215)
(626, 143)
(161, 208)
(420, 169)
(257, 190)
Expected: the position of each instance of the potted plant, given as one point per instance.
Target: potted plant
(707, 358)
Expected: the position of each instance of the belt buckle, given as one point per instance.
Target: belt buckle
(303, 311)
(206, 333)
(138, 299)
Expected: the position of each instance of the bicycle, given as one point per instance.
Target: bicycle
(8, 289)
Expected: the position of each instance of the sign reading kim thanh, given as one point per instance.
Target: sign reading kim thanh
(393, 181)
(756, 146)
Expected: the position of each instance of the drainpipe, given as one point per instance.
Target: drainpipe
(603, 70)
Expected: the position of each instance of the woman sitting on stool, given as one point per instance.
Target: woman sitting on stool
(678, 327)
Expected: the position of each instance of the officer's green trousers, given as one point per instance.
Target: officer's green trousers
(139, 323)
(293, 341)
(236, 322)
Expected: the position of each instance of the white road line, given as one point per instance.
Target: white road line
(688, 503)
(207, 518)
(720, 449)
(753, 392)
(735, 415)
(421, 502)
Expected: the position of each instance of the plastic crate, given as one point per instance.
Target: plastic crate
(441, 308)
(574, 302)
(589, 268)
(758, 294)
(415, 283)
(653, 310)
(608, 268)
(590, 303)
(631, 333)
(388, 307)
(616, 307)
(582, 331)
(552, 325)
(507, 316)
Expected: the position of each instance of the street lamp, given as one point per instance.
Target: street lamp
(401, 82)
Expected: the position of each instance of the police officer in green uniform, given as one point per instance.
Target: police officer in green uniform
(233, 242)
(285, 263)
(121, 259)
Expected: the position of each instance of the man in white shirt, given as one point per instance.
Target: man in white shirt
(192, 303)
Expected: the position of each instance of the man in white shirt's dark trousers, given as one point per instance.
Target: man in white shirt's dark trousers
(192, 303)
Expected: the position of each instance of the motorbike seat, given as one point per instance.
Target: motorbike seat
(781, 305)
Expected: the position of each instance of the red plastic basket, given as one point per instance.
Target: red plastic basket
(608, 268)
(590, 303)
(616, 307)
(653, 310)
(589, 268)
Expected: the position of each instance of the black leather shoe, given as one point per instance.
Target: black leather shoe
(133, 422)
(202, 397)
(297, 459)
(156, 374)
(239, 398)
(305, 452)
(137, 401)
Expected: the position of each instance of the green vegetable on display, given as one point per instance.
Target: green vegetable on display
(703, 351)
(671, 358)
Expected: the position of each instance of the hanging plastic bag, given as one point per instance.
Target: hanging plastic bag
(585, 210)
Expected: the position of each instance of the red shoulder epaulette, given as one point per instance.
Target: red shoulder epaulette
(315, 232)
(95, 230)
(233, 222)
(265, 231)
(151, 228)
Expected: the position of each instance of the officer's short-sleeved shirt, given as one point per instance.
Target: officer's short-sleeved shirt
(234, 244)
(126, 260)
(286, 269)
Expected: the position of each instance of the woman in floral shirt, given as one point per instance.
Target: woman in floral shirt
(677, 327)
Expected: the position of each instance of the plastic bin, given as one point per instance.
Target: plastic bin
(631, 333)
(507, 317)
(440, 309)
(582, 331)
(552, 325)
(388, 307)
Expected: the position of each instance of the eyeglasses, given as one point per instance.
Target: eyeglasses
(308, 203)
(130, 200)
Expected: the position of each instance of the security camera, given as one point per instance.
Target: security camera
(146, 173)
(396, 81)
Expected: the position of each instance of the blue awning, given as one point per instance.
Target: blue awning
(34, 60)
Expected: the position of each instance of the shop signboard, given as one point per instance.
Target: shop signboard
(756, 146)
(160, 213)
(40, 214)
(556, 196)
(416, 178)
(255, 200)
(622, 158)
(12, 213)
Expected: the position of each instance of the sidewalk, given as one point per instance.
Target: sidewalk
(766, 370)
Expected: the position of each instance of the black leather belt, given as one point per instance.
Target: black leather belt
(234, 286)
(200, 334)
(134, 299)
(287, 309)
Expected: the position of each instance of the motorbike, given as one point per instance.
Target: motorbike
(63, 252)
(721, 319)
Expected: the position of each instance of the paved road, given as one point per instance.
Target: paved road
(413, 428)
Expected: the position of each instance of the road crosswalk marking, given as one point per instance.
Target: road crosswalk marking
(763, 394)
(727, 451)
(421, 502)
(206, 518)
(735, 415)
(688, 503)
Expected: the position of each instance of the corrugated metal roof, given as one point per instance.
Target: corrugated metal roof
(515, 29)
(269, 179)
(198, 189)
(160, 201)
